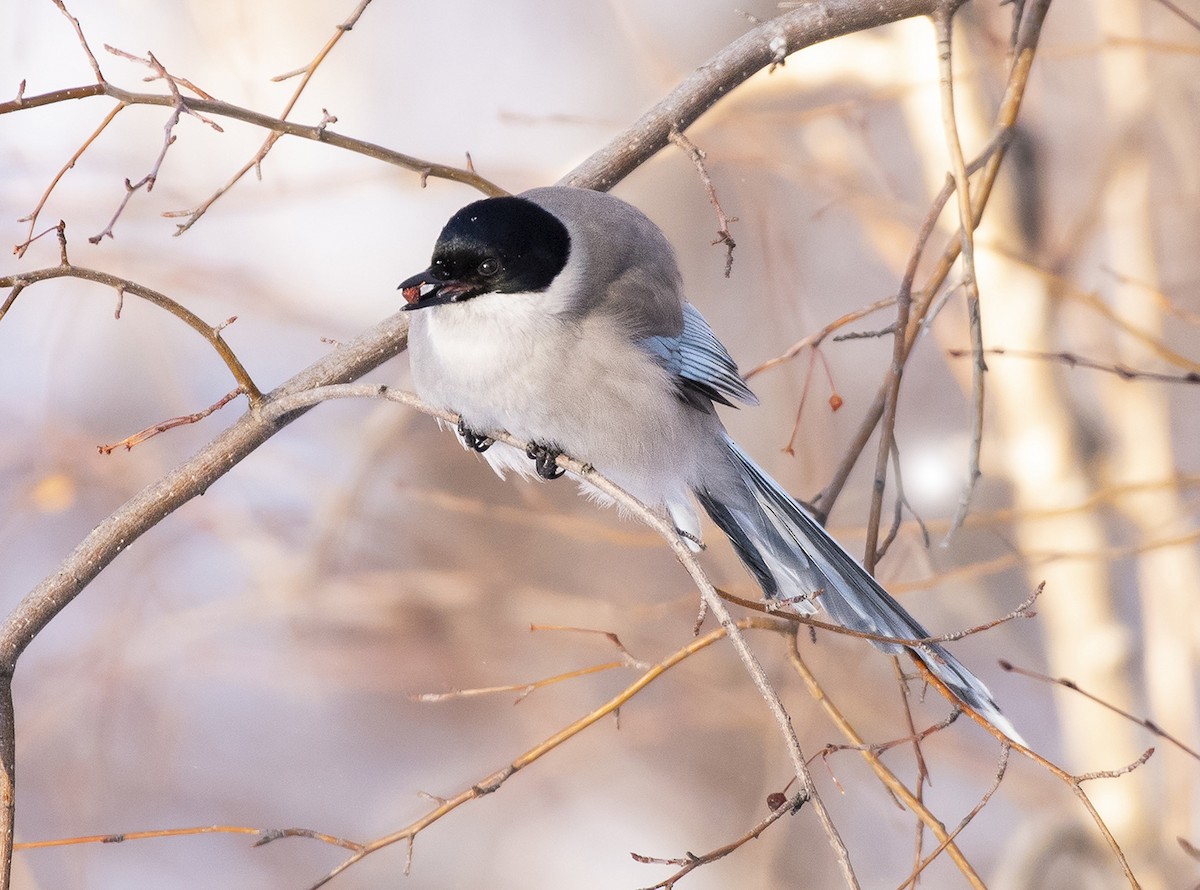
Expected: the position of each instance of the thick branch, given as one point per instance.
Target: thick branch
(767, 45)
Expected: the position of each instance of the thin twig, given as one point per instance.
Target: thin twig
(1071, 360)
(1072, 781)
(255, 162)
(1144, 722)
(495, 780)
(885, 775)
(32, 218)
(698, 157)
(129, 442)
(1024, 610)
(123, 286)
(944, 23)
(264, 835)
(147, 182)
(1033, 14)
(314, 132)
(82, 40)
(695, 860)
(1001, 767)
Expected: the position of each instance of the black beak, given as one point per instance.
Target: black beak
(423, 289)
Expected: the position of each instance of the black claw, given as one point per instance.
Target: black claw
(544, 457)
(474, 440)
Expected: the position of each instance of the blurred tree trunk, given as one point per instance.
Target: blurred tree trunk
(1139, 415)
(1032, 437)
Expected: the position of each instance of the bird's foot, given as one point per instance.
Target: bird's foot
(544, 457)
(472, 439)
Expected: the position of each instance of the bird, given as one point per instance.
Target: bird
(558, 315)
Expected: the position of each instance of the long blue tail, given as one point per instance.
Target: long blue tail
(796, 561)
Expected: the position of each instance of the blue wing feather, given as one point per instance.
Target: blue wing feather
(700, 362)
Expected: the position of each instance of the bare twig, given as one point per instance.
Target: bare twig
(123, 286)
(263, 835)
(82, 40)
(523, 689)
(493, 781)
(819, 337)
(1071, 360)
(943, 20)
(1033, 14)
(32, 218)
(697, 155)
(1001, 767)
(255, 163)
(885, 775)
(150, 432)
(316, 132)
(178, 109)
(1072, 781)
(1145, 722)
(1024, 610)
(763, 46)
(694, 860)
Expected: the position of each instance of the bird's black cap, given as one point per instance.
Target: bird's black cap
(497, 245)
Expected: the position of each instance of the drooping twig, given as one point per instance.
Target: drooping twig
(723, 237)
(123, 286)
(1145, 722)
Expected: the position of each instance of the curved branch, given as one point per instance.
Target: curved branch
(764, 46)
(123, 286)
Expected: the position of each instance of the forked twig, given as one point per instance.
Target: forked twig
(255, 163)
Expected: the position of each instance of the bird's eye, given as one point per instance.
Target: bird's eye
(489, 267)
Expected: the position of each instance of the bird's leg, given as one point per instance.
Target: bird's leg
(472, 439)
(544, 457)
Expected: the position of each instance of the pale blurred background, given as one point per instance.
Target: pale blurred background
(251, 660)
